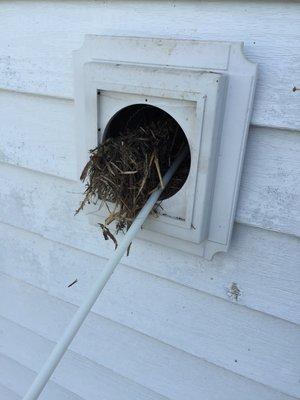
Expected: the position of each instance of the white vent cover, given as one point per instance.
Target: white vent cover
(207, 87)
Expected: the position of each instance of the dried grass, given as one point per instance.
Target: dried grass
(126, 168)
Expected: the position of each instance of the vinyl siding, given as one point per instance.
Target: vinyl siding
(167, 325)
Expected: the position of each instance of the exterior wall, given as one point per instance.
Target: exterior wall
(168, 325)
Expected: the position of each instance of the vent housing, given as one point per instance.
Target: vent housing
(207, 87)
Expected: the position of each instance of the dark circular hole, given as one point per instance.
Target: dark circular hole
(142, 115)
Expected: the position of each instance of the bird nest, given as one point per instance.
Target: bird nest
(127, 167)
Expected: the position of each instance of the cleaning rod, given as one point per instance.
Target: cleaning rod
(82, 312)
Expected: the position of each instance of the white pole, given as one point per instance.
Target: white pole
(77, 320)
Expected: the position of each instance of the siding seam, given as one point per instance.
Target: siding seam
(37, 94)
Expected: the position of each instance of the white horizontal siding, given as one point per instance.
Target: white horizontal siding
(270, 186)
(75, 373)
(7, 394)
(166, 326)
(16, 378)
(264, 265)
(38, 133)
(36, 57)
(190, 320)
(269, 197)
(173, 373)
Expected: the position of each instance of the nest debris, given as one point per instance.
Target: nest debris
(126, 168)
